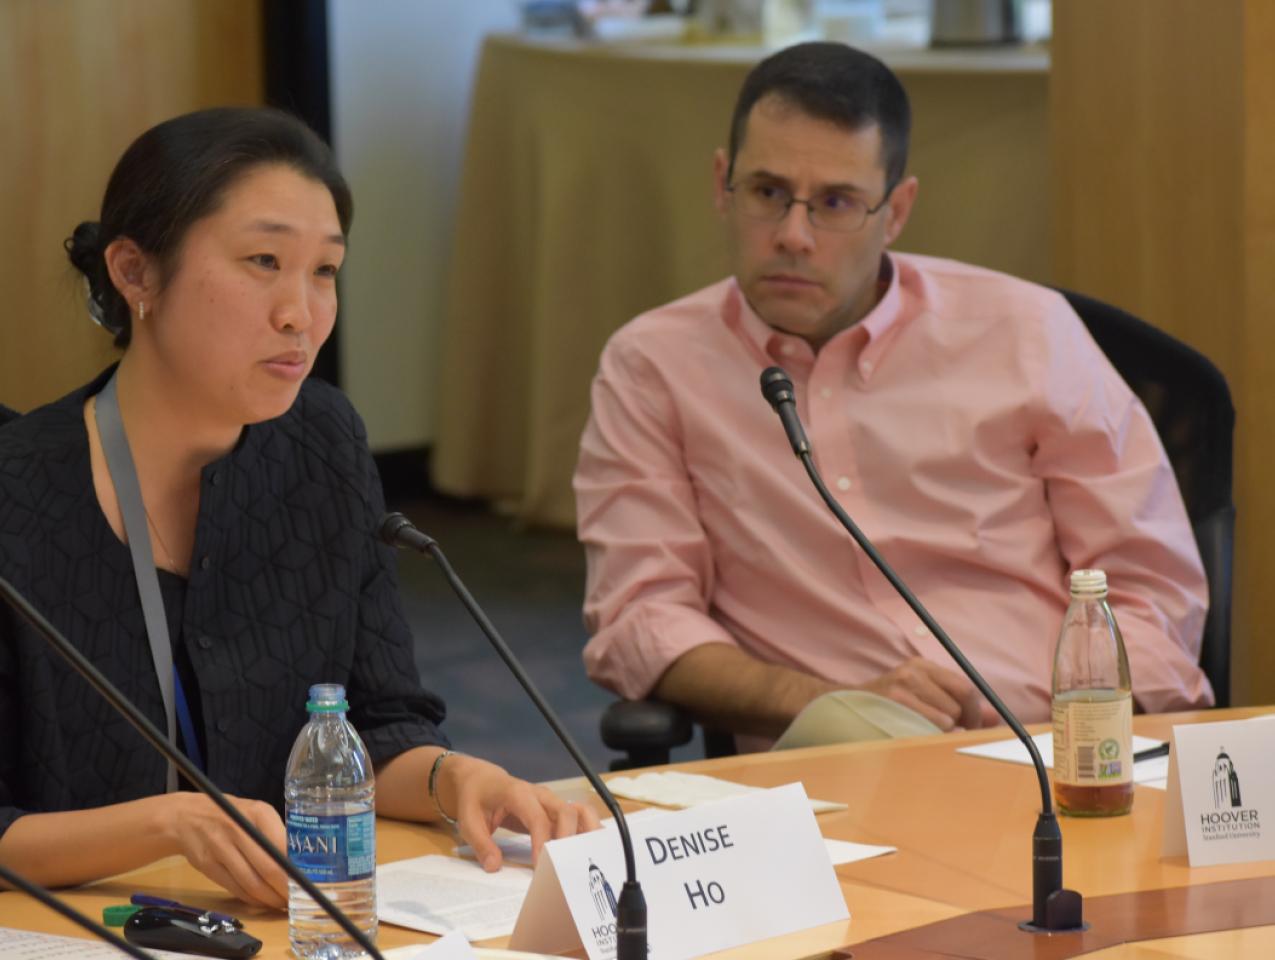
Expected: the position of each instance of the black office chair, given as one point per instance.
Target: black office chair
(1190, 404)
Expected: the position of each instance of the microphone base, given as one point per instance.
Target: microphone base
(1054, 910)
(630, 923)
(1064, 913)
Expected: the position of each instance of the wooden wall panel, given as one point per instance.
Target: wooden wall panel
(980, 148)
(1255, 673)
(79, 80)
(1148, 159)
(1163, 139)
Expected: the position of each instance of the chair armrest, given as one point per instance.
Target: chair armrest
(645, 730)
(645, 724)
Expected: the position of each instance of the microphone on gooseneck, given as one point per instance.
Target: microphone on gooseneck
(1053, 908)
(777, 389)
(192, 773)
(630, 914)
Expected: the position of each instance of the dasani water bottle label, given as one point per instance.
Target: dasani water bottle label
(332, 849)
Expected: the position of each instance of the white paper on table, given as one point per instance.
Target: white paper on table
(453, 946)
(27, 945)
(1148, 773)
(672, 788)
(438, 894)
(516, 847)
(843, 851)
(1153, 773)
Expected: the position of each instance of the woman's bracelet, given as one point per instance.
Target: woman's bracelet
(433, 787)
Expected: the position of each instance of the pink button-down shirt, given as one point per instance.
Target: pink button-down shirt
(970, 426)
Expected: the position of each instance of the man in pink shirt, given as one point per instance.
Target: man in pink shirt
(964, 418)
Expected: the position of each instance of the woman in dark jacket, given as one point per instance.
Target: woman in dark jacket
(214, 265)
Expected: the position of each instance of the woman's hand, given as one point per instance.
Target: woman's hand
(482, 797)
(218, 849)
(79, 846)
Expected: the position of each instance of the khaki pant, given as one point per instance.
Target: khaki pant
(849, 716)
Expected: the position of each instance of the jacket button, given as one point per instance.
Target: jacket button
(205, 563)
(205, 642)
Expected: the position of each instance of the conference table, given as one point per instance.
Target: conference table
(957, 886)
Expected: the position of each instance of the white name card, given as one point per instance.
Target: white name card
(1220, 806)
(714, 876)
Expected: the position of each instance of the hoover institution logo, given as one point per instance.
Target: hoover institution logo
(1229, 819)
(601, 892)
(1226, 783)
(604, 934)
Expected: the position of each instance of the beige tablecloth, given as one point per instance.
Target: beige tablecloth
(586, 198)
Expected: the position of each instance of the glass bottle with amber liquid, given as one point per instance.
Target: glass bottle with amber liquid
(1092, 706)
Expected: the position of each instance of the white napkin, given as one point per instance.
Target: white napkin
(674, 789)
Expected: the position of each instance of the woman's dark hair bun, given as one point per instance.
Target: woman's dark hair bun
(82, 246)
(84, 249)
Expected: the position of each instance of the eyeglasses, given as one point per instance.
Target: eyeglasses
(830, 209)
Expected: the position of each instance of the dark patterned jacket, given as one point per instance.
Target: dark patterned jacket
(288, 587)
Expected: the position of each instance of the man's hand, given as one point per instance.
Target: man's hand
(944, 697)
(482, 797)
(219, 850)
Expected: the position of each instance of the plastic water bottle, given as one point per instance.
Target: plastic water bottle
(330, 817)
(1092, 706)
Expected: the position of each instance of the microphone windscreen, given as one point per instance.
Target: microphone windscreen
(776, 387)
(392, 524)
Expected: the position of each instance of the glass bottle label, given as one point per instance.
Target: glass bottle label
(1093, 741)
(332, 849)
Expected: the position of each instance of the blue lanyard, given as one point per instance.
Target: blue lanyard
(185, 722)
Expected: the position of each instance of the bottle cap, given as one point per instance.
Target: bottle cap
(327, 698)
(117, 915)
(1088, 583)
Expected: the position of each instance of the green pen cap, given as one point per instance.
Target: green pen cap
(118, 914)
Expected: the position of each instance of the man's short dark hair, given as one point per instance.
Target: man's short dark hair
(837, 83)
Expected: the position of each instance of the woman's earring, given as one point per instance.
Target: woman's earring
(141, 310)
